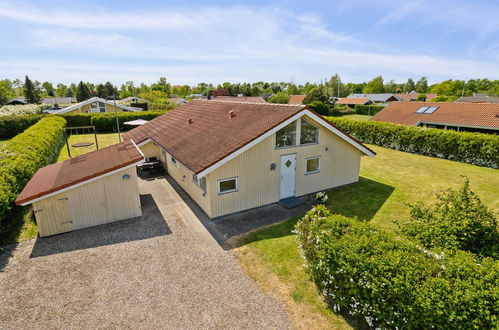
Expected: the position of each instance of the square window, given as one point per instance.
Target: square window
(309, 133)
(313, 165)
(286, 136)
(174, 161)
(227, 185)
(421, 110)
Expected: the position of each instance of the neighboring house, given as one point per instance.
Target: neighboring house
(413, 96)
(376, 98)
(352, 102)
(478, 99)
(133, 99)
(17, 101)
(234, 156)
(58, 100)
(254, 99)
(177, 100)
(96, 188)
(477, 117)
(96, 104)
(296, 99)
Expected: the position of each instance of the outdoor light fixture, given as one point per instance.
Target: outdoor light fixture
(126, 176)
(272, 167)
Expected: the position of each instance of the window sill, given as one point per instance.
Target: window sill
(228, 192)
(296, 146)
(314, 172)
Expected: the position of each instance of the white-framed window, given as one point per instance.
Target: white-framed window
(195, 178)
(309, 133)
(312, 165)
(102, 107)
(286, 136)
(227, 185)
(173, 161)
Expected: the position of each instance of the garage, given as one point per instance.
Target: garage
(93, 189)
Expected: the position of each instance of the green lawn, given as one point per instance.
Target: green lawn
(388, 182)
(104, 140)
(357, 117)
(2, 142)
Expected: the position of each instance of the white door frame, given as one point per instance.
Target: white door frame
(282, 193)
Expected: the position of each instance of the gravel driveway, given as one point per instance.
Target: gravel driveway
(148, 272)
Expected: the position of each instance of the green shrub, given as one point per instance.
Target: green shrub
(106, 122)
(78, 119)
(459, 220)
(10, 126)
(368, 109)
(279, 97)
(319, 107)
(24, 154)
(143, 106)
(390, 282)
(472, 148)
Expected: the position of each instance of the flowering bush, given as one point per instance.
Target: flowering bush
(321, 197)
(24, 109)
(387, 281)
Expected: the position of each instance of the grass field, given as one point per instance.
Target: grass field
(357, 117)
(388, 182)
(2, 142)
(104, 140)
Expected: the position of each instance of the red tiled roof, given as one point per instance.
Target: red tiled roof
(413, 96)
(296, 99)
(352, 100)
(256, 99)
(67, 173)
(470, 114)
(201, 133)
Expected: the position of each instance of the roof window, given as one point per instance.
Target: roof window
(427, 110)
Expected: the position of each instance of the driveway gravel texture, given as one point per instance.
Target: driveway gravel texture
(147, 272)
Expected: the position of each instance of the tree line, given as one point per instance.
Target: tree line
(162, 91)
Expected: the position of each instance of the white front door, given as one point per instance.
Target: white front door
(288, 176)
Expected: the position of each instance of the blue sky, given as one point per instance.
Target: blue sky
(217, 41)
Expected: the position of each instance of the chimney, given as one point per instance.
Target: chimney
(190, 121)
(231, 114)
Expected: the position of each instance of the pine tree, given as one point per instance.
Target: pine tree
(82, 92)
(31, 92)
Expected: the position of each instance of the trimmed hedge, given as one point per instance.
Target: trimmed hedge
(472, 148)
(11, 126)
(389, 282)
(78, 119)
(23, 155)
(106, 122)
(370, 110)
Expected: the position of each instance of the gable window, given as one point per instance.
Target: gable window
(227, 185)
(309, 133)
(312, 165)
(286, 136)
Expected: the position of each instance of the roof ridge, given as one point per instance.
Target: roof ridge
(259, 103)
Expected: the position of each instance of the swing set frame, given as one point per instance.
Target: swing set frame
(91, 129)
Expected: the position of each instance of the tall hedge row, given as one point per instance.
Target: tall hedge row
(472, 148)
(107, 122)
(370, 110)
(10, 126)
(389, 282)
(24, 154)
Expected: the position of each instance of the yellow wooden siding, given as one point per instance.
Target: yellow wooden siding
(105, 200)
(183, 176)
(258, 185)
(87, 107)
(150, 149)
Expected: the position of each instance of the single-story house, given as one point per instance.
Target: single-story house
(234, 156)
(96, 188)
(254, 99)
(96, 104)
(177, 100)
(377, 98)
(352, 102)
(478, 99)
(413, 96)
(296, 99)
(58, 100)
(17, 101)
(476, 117)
